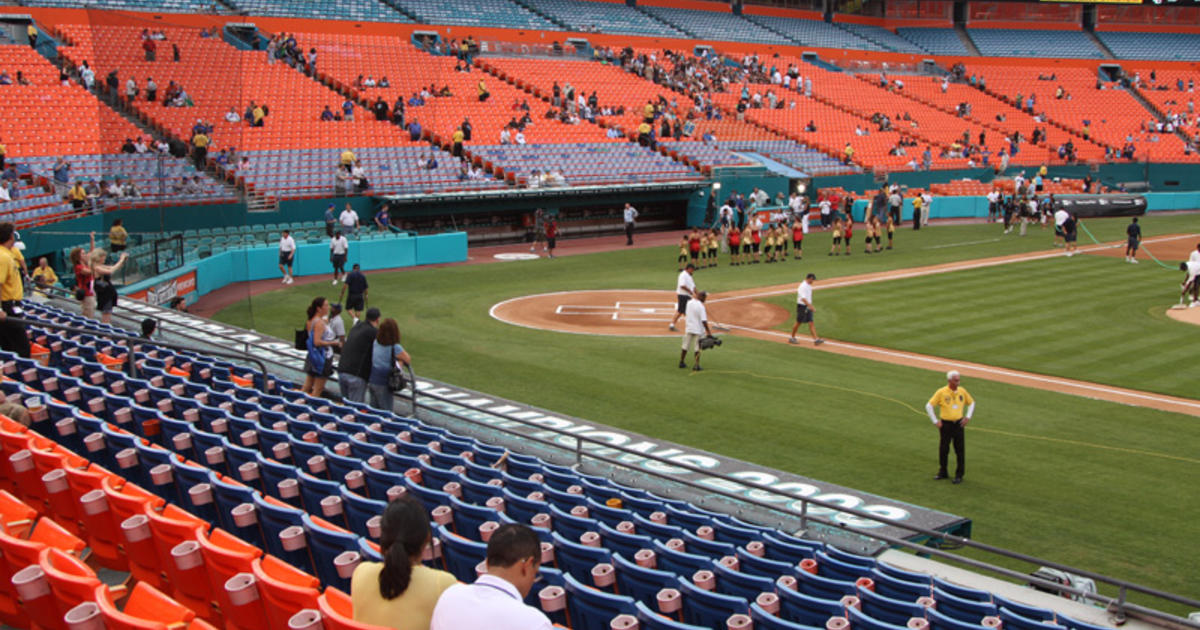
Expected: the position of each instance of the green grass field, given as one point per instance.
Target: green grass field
(1097, 485)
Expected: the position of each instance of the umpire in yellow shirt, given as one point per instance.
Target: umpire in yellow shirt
(12, 336)
(955, 408)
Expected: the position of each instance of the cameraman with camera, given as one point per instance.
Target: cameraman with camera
(696, 336)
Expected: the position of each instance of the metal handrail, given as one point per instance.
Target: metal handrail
(1117, 605)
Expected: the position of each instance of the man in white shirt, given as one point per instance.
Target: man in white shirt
(287, 254)
(338, 246)
(926, 207)
(519, 138)
(1031, 212)
(1195, 255)
(1192, 283)
(685, 289)
(804, 310)
(826, 212)
(495, 600)
(349, 220)
(695, 327)
(993, 198)
(631, 215)
(1060, 217)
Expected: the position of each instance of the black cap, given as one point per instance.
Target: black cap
(372, 314)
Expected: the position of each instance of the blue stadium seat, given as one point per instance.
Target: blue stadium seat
(326, 544)
(738, 584)
(461, 554)
(641, 583)
(887, 609)
(680, 562)
(764, 567)
(1025, 610)
(578, 559)
(968, 610)
(1017, 621)
(273, 518)
(807, 609)
(359, 510)
(621, 542)
(766, 621)
(651, 619)
(592, 609)
(863, 621)
(705, 608)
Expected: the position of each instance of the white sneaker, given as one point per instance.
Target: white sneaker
(283, 280)
(1134, 260)
(1194, 304)
(334, 283)
(671, 327)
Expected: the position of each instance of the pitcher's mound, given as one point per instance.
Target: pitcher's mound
(1186, 315)
(625, 312)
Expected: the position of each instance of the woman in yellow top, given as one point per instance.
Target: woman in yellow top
(483, 91)
(837, 237)
(399, 592)
(747, 242)
(683, 251)
(769, 245)
(3, 155)
(714, 248)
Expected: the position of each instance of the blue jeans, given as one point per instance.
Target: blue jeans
(381, 396)
(353, 388)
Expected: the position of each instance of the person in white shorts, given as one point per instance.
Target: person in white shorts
(804, 310)
(685, 289)
(696, 326)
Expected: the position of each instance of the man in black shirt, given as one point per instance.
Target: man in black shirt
(356, 292)
(355, 364)
(1134, 232)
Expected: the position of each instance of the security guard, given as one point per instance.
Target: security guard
(955, 410)
(12, 336)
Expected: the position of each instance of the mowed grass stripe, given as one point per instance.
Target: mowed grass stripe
(1085, 317)
(1075, 503)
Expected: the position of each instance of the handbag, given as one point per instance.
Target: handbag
(301, 339)
(396, 381)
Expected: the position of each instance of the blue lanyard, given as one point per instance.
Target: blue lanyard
(493, 586)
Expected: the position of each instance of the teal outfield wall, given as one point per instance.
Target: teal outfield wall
(262, 263)
(976, 207)
(1160, 177)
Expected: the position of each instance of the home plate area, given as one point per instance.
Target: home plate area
(625, 312)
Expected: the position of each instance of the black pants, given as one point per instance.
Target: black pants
(952, 432)
(629, 233)
(916, 218)
(13, 337)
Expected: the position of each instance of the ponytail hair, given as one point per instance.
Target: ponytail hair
(315, 306)
(405, 532)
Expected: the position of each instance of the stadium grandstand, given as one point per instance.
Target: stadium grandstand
(165, 469)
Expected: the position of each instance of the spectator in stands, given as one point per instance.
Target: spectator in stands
(386, 355)
(380, 108)
(117, 237)
(398, 112)
(327, 115)
(272, 47)
(466, 129)
(78, 197)
(131, 90)
(320, 344)
(200, 142)
(336, 324)
(348, 110)
(258, 116)
(416, 100)
(456, 147)
(384, 83)
(358, 175)
(495, 600)
(62, 175)
(370, 82)
(106, 291)
(32, 33)
(519, 138)
(414, 130)
(127, 146)
(150, 48)
(505, 136)
(5, 193)
(13, 337)
(354, 367)
(481, 89)
(400, 592)
(312, 62)
(348, 220)
(43, 278)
